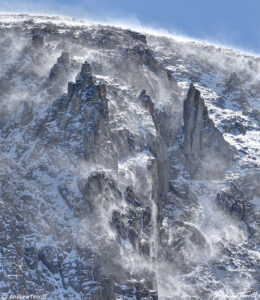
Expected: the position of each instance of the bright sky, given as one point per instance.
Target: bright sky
(230, 22)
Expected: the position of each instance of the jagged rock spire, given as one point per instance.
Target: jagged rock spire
(146, 102)
(195, 119)
(205, 149)
(85, 81)
(86, 73)
(58, 71)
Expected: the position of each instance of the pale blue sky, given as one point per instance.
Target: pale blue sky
(229, 22)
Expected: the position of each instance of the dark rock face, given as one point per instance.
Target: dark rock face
(147, 103)
(49, 257)
(144, 56)
(234, 126)
(205, 149)
(135, 224)
(31, 257)
(37, 41)
(137, 36)
(181, 190)
(233, 202)
(173, 82)
(175, 244)
(256, 115)
(233, 82)
(138, 290)
(27, 114)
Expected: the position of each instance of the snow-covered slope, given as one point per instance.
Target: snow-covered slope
(101, 195)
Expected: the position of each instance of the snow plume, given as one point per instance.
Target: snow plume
(24, 72)
(84, 222)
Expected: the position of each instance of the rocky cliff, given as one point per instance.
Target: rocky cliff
(129, 164)
(205, 148)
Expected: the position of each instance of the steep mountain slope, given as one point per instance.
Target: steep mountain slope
(129, 164)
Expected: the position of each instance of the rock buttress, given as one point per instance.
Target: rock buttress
(206, 151)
